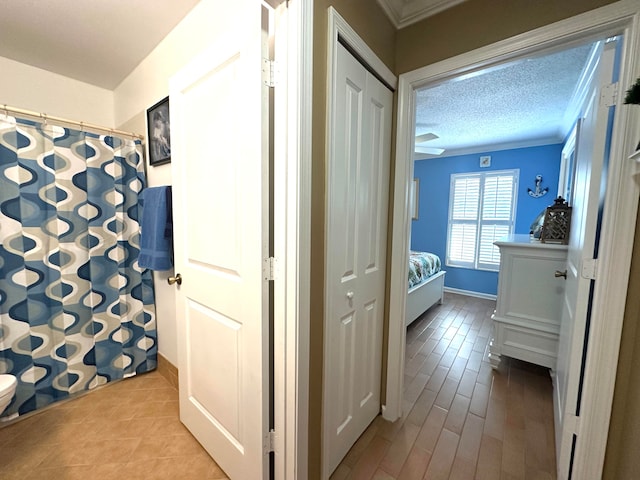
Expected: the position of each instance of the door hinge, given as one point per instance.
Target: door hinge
(269, 269)
(589, 268)
(268, 72)
(609, 95)
(572, 423)
(270, 442)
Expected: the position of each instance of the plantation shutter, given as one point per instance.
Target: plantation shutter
(481, 210)
(463, 228)
(497, 217)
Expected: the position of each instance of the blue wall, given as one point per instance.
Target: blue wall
(429, 232)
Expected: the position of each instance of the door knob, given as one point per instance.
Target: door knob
(349, 295)
(177, 279)
(561, 274)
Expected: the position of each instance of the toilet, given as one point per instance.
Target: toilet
(8, 385)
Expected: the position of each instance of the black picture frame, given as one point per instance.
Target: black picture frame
(159, 133)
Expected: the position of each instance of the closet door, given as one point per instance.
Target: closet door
(358, 196)
(220, 167)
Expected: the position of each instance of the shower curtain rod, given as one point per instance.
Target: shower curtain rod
(82, 125)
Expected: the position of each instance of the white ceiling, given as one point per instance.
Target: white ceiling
(523, 103)
(97, 42)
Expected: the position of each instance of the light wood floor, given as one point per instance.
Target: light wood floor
(462, 420)
(128, 430)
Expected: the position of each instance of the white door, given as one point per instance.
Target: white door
(358, 196)
(590, 152)
(219, 130)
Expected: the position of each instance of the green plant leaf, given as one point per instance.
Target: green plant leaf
(633, 94)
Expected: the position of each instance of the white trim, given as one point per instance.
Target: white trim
(614, 259)
(293, 243)
(496, 147)
(568, 150)
(470, 293)
(618, 224)
(579, 97)
(400, 243)
(281, 309)
(338, 26)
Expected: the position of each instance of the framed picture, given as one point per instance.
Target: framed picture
(415, 198)
(159, 133)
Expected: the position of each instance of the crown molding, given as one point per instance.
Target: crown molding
(403, 13)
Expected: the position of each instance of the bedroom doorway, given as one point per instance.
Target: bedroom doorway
(616, 212)
(593, 61)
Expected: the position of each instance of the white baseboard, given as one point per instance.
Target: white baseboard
(469, 293)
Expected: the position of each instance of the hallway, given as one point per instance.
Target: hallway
(462, 420)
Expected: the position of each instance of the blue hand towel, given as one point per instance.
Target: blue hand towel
(156, 237)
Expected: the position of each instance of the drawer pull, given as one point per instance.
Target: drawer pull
(561, 274)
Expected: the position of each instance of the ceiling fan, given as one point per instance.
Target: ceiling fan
(419, 150)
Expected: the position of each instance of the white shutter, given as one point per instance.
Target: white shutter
(488, 253)
(466, 198)
(481, 211)
(497, 198)
(498, 215)
(462, 243)
(463, 220)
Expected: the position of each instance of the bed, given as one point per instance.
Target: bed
(426, 284)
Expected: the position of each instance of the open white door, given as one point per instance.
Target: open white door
(358, 197)
(220, 135)
(580, 273)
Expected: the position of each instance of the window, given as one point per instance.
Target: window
(482, 209)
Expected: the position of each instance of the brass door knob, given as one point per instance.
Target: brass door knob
(561, 274)
(177, 279)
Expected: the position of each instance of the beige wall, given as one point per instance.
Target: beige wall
(476, 23)
(31, 88)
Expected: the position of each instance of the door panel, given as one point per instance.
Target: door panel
(590, 152)
(220, 172)
(356, 248)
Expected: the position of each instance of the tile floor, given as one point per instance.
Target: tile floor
(126, 430)
(462, 420)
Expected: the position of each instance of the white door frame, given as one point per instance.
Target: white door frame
(338, 26)
(618, 225)
(292, 230)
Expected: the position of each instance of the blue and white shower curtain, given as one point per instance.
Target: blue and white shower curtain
(76, 311)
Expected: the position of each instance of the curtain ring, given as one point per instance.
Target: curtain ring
(82, 126)
(44, 118)
(6, 110)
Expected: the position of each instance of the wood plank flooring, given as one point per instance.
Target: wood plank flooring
(461, 419)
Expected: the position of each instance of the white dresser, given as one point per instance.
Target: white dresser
(526, 323)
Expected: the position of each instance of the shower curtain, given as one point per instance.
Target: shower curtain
(76, 311)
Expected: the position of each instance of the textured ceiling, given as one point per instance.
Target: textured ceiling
(97, 42)
(519, 103)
